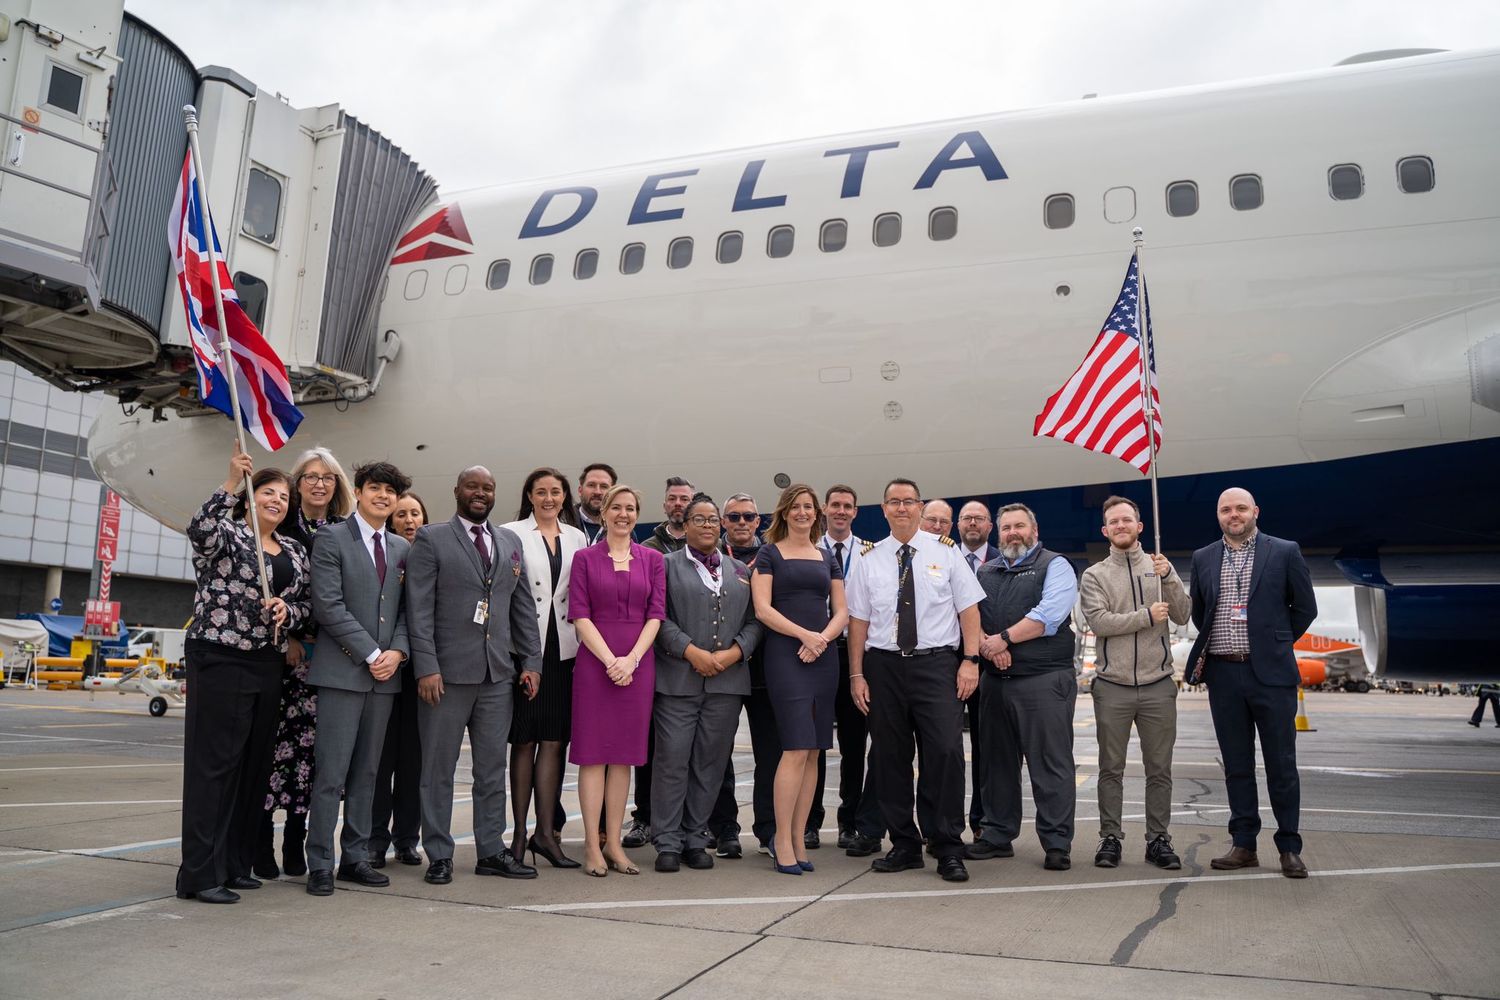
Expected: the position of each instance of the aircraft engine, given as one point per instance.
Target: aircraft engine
(1429, 633)
(1314, 672)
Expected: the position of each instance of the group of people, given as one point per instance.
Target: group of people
(386, 639)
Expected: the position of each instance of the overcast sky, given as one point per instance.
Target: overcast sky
(487, 93)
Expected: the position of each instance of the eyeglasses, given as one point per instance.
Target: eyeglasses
(703, 521)
(973, 518)
(328, 480)
(899, 503)
(937, 523)
(737, 517)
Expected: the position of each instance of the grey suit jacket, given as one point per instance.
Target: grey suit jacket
(445, 581)
(699, 617)
(356, 614)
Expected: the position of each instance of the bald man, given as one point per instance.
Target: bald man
(1252, 598)
(937, 518)
(472, 626)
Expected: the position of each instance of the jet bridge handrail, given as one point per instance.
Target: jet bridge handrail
(95, 227)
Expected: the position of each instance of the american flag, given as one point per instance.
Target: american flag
(265, 395)
(1101, 407)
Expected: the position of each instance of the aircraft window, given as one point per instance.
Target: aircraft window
(1346, 181)
(1119, 204)
(253, 294)
(779, 241)
(1182, 198)
(456, 280)
(633, 258)
(1057, 211)
(887, 229)
(1245, 192)
(833, 236)
(731, 245)
(498, 275)
(541, 269)
(1415, 174)
(586, 264)
(64, 90)
(680, 253)
(262, 206)
(942, 224)
(416, 284)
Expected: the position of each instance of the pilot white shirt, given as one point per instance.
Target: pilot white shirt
(367, 535)
(852, 545)
(943, 584)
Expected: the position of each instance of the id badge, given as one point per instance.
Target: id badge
(481, 612)
(1237, 613)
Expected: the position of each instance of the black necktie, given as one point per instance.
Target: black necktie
(379, 559)
(838, 553)
(906, 605)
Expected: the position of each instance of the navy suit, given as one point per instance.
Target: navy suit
(1259, 696)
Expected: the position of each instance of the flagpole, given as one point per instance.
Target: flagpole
(1143, 327)
(190, 116)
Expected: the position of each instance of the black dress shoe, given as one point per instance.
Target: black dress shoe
(360, 872)
(668, 862)
(408, 856)
(218, 894)
(984, 850)
(440, 872)
(729, 847)
(243, 882)
(952, 869)
(637, 835)
(697, 858)
(377, 859)
(862, 846)
(1057, 860)
(504, 865)
(811, 840)
(846, 838)
(898, 859)
(320, 882)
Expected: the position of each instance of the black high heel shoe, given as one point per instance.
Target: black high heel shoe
(558, 860)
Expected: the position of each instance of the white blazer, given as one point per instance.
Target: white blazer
(540, 571)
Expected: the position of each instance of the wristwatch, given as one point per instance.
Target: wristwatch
(1005, 637)
(972, 658)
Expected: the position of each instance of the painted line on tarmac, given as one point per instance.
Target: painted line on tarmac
(104, 802)
(37, 738)
(81, 767)
(75, 708)
(859, 897)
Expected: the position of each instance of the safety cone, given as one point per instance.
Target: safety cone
(1303, 726)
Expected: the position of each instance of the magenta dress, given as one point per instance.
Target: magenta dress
(611, 723)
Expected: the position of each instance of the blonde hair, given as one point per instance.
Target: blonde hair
(615, 491)
(342, 501)
(779, 528)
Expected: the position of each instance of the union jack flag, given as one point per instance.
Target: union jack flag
(265, 395)
(1102, 407)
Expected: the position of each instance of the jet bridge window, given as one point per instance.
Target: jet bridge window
(498, 276)
(1182, 198)
(833, 236)
(942, 224)
(633, 258)
(253, 294)
(262, 206)
(1414, 174)
(1057, 211)
(541, 269)
(1346, 182)
(887, 229)
(731, 245)
(64, 90)
(1245, 193)
(680, 253)
(586, 264)
(779, 241)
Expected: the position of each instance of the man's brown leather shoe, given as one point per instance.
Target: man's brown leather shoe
(1238, 857)
(1292, 866)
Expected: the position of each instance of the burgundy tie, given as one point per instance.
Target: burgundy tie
(379, 559)
(484, 553)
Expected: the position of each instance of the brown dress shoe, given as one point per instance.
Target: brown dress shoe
(1238, 857)
(1292, 866)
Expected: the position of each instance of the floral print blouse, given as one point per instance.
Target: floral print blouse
(226, 608)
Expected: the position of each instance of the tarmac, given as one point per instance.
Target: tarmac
(1401, 818)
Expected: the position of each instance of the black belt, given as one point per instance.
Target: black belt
(929, 651)
(1230, 657)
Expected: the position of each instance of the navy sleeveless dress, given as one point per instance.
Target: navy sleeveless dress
(801, 694)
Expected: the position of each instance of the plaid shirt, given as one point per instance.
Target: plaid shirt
(1228, 635)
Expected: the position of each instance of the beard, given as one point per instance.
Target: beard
(1016, 550)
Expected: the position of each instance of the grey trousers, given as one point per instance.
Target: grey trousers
(351, 735)
(1031, 717)
(484, 710)
(694, 739)
(1153, 710)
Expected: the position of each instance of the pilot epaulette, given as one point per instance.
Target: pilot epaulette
(866, 545)
(947, 540)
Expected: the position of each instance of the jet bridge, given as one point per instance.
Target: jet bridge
(308, 203)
